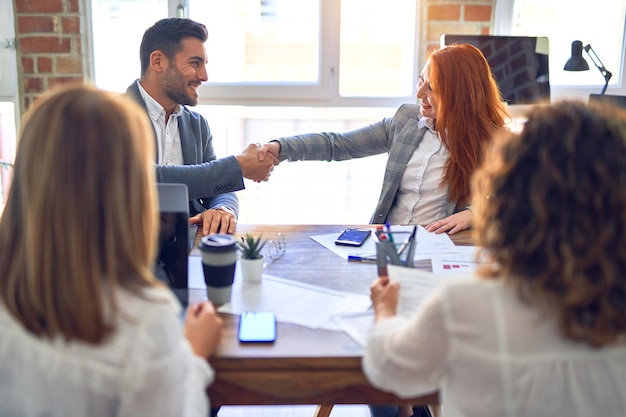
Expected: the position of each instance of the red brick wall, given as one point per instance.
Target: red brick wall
(49, 45)
(465, 17)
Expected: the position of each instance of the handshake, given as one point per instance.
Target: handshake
(258, 161)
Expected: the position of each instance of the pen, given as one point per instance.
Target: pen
(388, 228)
(406, 242)
(380, 234)
(356, 258)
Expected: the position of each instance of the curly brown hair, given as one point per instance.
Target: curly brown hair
(550, 208)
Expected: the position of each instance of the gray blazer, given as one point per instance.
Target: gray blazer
(211, 182)
(398, 136)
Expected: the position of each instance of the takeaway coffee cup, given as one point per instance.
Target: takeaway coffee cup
(219, 257)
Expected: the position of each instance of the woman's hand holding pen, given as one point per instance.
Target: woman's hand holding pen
(203, 328)
(384, 295)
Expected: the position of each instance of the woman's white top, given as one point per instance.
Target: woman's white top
(421, 199)
(146, 369)
(492, 355)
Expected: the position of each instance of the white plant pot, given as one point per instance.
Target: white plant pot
(251, 269)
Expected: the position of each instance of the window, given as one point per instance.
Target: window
(286, 52)
(600, 24)
(278, 52)
(9, 112)
(377, 59)
(7, 148)
(311, 192)
(270, 41)
(116, 51)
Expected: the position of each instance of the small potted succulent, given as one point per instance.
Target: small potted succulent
(251, 261)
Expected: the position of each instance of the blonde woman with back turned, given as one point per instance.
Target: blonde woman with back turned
(85, 329)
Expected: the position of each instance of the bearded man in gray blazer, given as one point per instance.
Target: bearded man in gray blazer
(173, 66)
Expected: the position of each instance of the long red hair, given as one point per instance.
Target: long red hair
(470, 111)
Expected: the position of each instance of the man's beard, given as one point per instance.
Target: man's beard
(174, 87)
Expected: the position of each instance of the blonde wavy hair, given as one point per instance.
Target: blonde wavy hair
(81, 215)
(550, 208)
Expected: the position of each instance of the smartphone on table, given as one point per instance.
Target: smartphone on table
(353, 237)
(257, 327)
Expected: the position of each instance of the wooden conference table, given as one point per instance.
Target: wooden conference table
(303, 366)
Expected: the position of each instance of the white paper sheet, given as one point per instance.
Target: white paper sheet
(456, 263)
(416, 285)
(328, 241)
(428, 244)
(357, 325)
(292, 302)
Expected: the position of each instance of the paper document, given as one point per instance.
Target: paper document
(357, 325)
(428, 244)
(415, 286)
(292, 302)
(456, 263)
(328, 241)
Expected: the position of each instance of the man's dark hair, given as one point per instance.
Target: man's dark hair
(166, 36)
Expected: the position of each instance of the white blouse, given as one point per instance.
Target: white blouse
(421, 199)
(492, 355)
(146, 369)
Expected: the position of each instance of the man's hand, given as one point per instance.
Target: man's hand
(220, 220)
(252, 166)
(452, 224)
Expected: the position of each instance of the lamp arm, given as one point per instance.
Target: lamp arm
(598, 63)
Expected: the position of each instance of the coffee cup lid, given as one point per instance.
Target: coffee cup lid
(217, 242)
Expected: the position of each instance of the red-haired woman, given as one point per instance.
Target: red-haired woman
(433, 147)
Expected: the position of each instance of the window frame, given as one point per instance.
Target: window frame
(325, 93)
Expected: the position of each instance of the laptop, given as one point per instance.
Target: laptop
(618, 101)
(176, 238)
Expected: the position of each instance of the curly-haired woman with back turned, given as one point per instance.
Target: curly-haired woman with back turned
(543, 331)
(85, 329)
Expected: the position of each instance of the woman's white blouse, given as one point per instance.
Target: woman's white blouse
(146, 369)
(421, 199)
(492, 355)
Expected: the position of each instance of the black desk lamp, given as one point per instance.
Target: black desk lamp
(578, 63)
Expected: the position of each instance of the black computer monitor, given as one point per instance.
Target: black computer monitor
(171, 265)
(617, 101)
(518, 63)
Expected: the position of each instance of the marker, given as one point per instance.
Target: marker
(406, 242)
(388, 228)
(356, 258)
